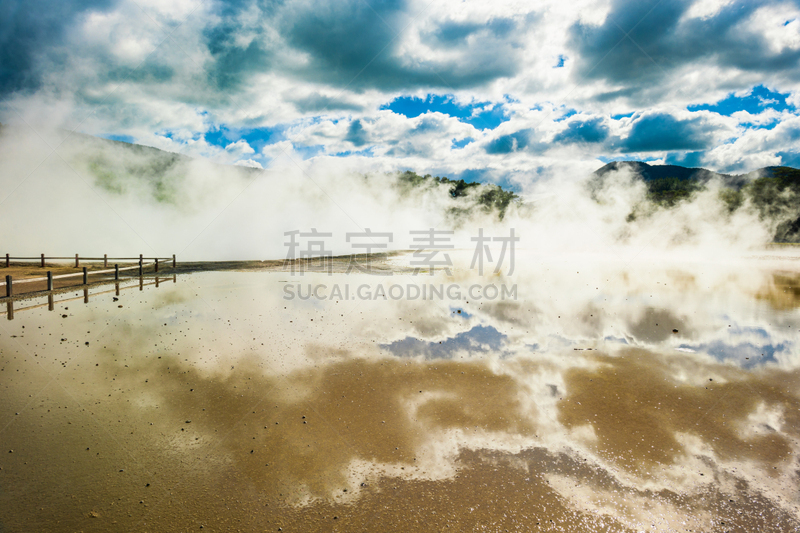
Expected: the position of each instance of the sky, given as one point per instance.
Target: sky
(505, 91)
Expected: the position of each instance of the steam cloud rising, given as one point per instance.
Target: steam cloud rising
(93, 196)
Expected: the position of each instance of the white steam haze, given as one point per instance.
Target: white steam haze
(529, 95)
(66, 194)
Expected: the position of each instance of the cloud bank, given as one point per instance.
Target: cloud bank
(510, 93)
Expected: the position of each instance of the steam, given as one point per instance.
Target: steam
(65, 194)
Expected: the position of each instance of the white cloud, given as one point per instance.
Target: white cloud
(248, 163)
(239, 148)
(244, 68)
(778, 25)
(704, 9)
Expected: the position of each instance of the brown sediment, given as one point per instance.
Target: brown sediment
(497, 491)
(242, 440)
(637, 409)
(317, 422)
(492, 491)
(311, 425)
(656, 325)
(782, 291)
(533, 490)
(336, 264)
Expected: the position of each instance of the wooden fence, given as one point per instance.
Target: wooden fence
(142, 263)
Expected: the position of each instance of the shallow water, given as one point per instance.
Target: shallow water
(606, 397)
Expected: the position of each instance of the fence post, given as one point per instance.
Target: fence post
(76, 261)
(105, 260)
(116, 271)
(156, 265)
(49, 280)
(8, 262)
(50, 302)
(42, 260)
(85, 276)
(10, 309)
(9, 290)
(140, 265)
(86, 295)
(173, 260)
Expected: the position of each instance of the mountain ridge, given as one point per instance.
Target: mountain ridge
(650, 172)
(119, 167)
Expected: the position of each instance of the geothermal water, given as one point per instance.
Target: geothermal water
(642, 395)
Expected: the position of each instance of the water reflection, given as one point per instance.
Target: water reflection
(602, 398)
(478, 340)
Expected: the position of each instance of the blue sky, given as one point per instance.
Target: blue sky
(506, 92)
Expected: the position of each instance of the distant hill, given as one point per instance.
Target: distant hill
(655, 172)
(126, 168)
(773, 191)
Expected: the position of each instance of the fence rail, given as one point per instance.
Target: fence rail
(42, 258)
(9, 281)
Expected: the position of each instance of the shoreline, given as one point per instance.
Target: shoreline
(21, 272)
